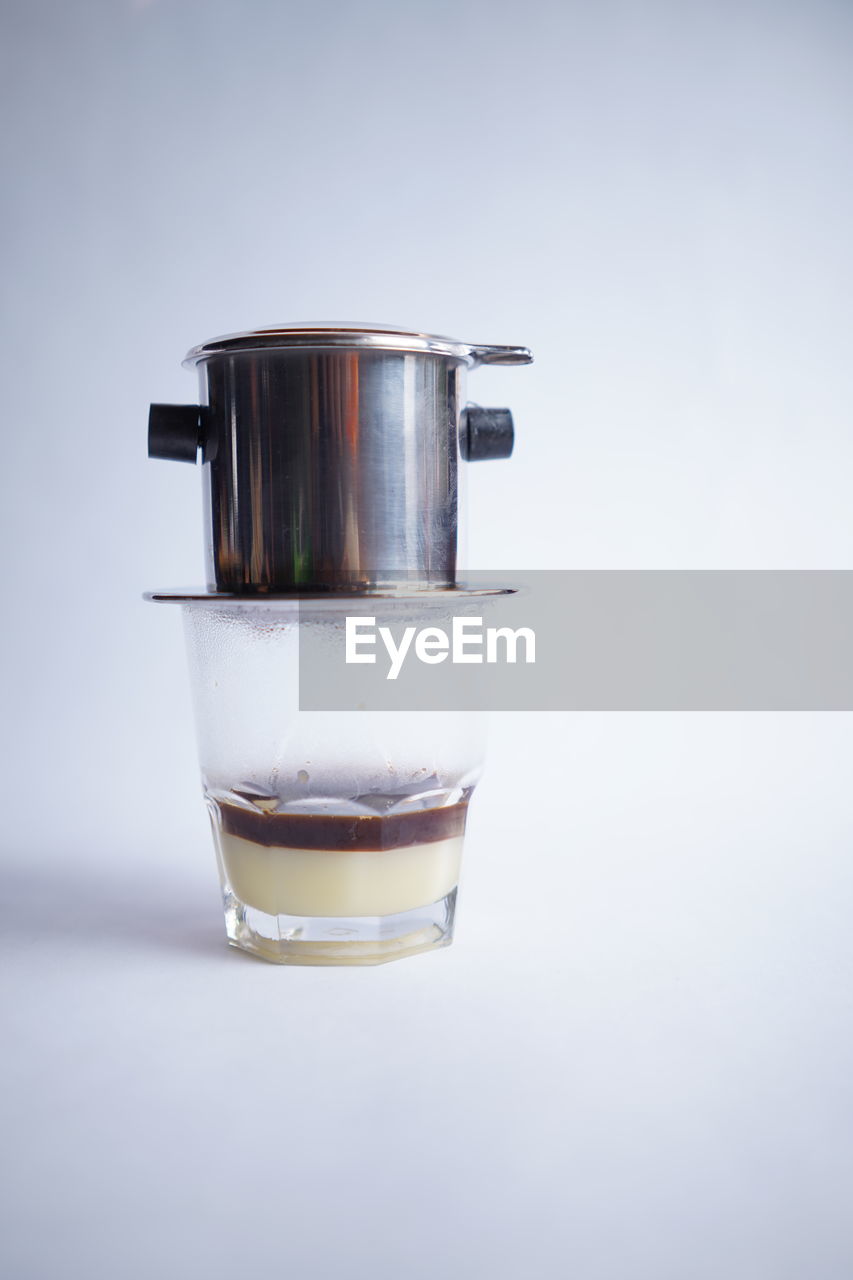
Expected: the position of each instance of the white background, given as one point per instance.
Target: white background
(635, 1061)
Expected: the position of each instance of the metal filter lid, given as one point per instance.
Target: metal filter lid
(362, 337)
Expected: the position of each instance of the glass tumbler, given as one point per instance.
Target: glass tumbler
(338, 835)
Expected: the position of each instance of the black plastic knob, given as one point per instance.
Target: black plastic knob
(486, 433)
(174, 432)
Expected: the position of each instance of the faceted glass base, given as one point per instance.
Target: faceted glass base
(339, 940)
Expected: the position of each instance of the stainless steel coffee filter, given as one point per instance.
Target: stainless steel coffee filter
(331, 454)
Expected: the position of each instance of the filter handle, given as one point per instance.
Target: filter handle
(485, 433)
(174, 432)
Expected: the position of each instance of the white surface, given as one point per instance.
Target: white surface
(635, 1061)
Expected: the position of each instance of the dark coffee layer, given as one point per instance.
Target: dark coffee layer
(343, 831)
